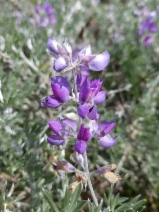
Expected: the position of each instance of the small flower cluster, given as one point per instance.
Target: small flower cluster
(44, 15)
(147, 26)
(85, 93)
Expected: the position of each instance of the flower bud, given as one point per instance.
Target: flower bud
(50, 102)
(80, 147)
(52, 46)
(107, 141)
(59, 64)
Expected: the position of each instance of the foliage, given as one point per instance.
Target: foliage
(131, 81)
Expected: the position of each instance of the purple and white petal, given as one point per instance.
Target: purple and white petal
(52, 46)
(107, 141)
(80, 147)
(55, 140)
(99, 62)
(59, 64)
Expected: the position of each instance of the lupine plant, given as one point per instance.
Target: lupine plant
(86, 94)
(147, 25)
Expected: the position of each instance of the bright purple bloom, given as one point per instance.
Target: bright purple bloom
(50, 102)
(84, 134)
(89, 90)
(107, 141)
(61, 88)
(80, 147)
(87, 110)
(148, 40)
(55, 140)
(80, 80)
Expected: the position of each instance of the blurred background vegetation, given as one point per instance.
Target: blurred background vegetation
(131, 81)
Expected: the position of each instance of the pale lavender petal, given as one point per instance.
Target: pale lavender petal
(55, 126)
(37, 8)
(107, 141)
(55, 140)
(80, 147)
(50, 102)
(59, 64)
(100, 97)
(84, 134)
(71, 123)
(99, 62)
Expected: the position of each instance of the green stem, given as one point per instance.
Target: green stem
(89, 180)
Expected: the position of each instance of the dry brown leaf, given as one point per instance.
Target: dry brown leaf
(73, 186)
(111, 177)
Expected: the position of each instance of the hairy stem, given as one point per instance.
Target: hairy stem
(89, 180)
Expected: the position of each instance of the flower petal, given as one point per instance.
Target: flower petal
(60, 88)
(93, 114)
(106, 126)
(52, 46)
(55, 140)
(107, 141)
(50, 102)
(99, 62)
(55, 126)
(71, 123)
(59, 64)
(80, 147)
(100, 97)
(83, 110)
(84, 133)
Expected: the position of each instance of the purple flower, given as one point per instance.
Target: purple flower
(61, 88)
(63, 167)
(87, 110)
(80, 147)
(60, 64)
(89, 90)
(107, 141)
(50, 102)
(63, 128)
(55, 140)
(44, 15)
(84, 134)
(83, 137)
(99, 62)
(52, 46)
(101, 133)
(148, 40)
